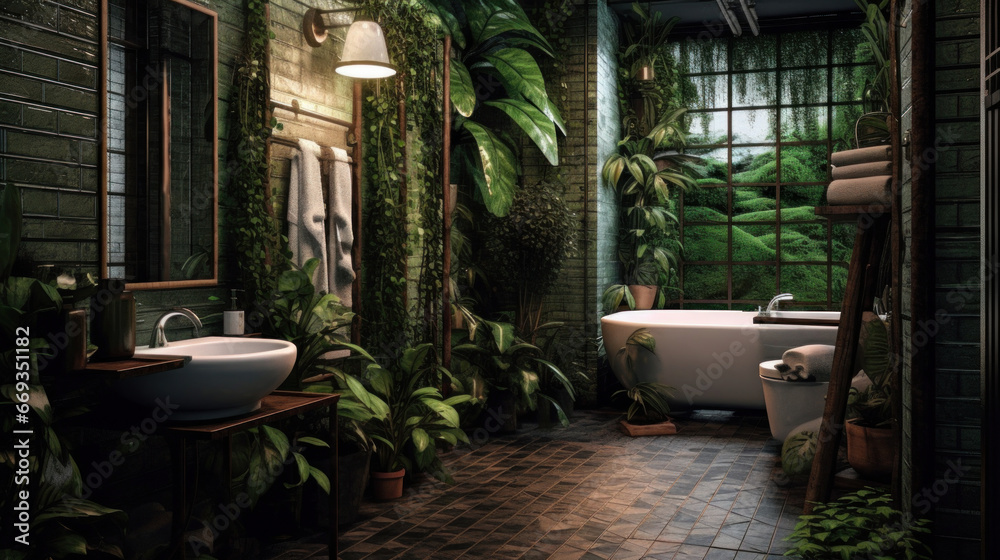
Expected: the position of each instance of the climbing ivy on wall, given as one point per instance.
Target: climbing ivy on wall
(258, 235)
(396, 230)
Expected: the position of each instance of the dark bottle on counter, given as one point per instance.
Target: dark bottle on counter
(112, 320)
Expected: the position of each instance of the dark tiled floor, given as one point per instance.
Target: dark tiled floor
(714, 491)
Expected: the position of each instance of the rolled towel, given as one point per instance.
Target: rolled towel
(861, 155)
(865, 190)
(858, 170)
(807, 363)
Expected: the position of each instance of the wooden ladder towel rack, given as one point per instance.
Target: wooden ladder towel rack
(869, 241)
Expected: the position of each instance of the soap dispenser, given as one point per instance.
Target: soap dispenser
(232, 319)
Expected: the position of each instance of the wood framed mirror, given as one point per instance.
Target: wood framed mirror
(159, 188)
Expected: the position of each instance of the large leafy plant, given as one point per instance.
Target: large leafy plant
(62, 523)
(496, 77)
(643, 188)
(862, 524)
(492, 357)
(314, 321)
(403, 407)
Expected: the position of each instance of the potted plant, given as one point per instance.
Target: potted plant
(870, 450)
(402, 408)
(506, 372)
(646, 41)
(647, 243)
(862, 524)
(648, 409)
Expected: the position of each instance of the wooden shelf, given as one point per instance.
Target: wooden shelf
(849, 213)
(276, 406)
(133, 367)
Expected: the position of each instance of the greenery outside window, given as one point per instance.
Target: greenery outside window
(766, 114)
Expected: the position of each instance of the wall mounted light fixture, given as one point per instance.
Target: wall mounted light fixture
(364, 55)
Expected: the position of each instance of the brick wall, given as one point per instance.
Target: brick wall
(957, 404)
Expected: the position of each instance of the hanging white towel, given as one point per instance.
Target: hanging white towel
(340, 235)
(307, 212)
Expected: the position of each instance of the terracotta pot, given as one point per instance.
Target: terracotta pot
(387, 485)
(645, 73)
(870, 451)
(644, 295)
(664, 428)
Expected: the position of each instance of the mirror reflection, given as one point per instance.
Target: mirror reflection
(162, 141)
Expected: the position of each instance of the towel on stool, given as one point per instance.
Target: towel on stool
(864, 190)
(812, 362)
(862, 170)
(861, 155)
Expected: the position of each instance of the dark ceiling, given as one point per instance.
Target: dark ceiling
(771, 14)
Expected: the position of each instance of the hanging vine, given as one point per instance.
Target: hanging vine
(258, 235)
(398, 227)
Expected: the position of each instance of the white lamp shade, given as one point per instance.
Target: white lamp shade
(365, 55)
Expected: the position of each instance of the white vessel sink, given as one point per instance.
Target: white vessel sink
(221, 376)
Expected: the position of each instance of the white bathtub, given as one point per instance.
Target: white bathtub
(710, 358)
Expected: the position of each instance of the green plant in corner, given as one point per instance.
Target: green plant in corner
(643, 186)
(872, 406)
(862, 524)
(61, 523)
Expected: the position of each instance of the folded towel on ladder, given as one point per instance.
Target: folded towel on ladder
(859, 170)
(864, 190)
(861, 155)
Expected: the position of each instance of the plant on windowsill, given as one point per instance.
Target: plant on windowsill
(648, 410)
(643, 185)
(862, 524)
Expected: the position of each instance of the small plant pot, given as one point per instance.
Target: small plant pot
(870, 451)
(645, 73)
(387, 485)
(644, 295)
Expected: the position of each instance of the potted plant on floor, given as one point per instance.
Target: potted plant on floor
(403, 407)
(870, 451)
(647, 241)
(648, 410)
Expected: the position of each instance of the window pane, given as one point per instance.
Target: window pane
(803, 242)
(807, 282)
(754, 281)
(754, 204)
(849, 82)
(804, 86)
(710, 91)
(706, 282)
(714, 168)
(838, 283)
(803, 124)
(706, 243)
(797, 203)
(807, 48)
(753, 243)
(849, 46)
(707, 203)
(804, 164)
(755, 53)
(754, 165)
(755, 89)
(844, 119)
(708, 128)
(754, 127)
(697, 57)
(843, 241)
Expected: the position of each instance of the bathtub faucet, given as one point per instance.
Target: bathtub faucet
(773, 304)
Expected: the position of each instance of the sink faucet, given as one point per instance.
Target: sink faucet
(773, 304)
(158, 338)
